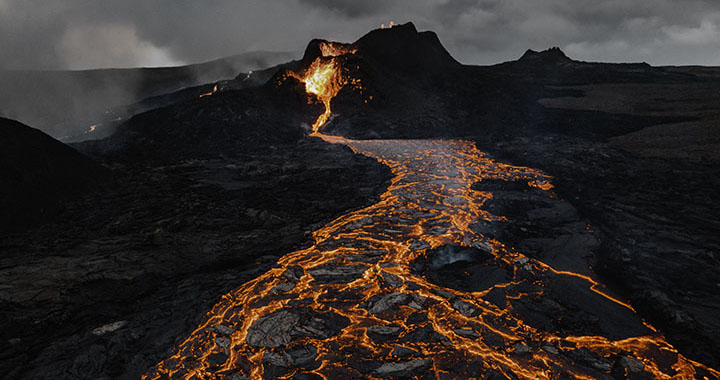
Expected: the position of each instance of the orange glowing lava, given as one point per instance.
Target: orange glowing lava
(210, 93)
(324, 78)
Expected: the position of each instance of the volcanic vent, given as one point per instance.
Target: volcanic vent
(325, 76)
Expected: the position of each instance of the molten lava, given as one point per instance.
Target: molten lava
(324, 81)
(324, 78)
(331, 49)
(214, 90)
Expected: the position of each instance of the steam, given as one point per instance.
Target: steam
(447, 255)
(65, 104)
(110, 45)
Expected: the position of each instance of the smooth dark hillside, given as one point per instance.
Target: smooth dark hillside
(38, 174)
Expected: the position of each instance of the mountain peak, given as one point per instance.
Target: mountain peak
(552, 55)
(402, 46)
(398, 47)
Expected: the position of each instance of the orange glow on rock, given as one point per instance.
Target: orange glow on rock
(324, 78)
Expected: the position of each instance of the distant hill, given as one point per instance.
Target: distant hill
(66, 103)
(38, 174)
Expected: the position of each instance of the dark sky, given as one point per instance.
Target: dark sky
(58, 34)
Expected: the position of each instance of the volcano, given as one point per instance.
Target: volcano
(377, 209)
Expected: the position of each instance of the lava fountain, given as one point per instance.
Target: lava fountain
(324, 78)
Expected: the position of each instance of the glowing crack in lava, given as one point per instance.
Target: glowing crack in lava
(351, 305)
(324, 78)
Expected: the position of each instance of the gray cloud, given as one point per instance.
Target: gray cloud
(102, 33)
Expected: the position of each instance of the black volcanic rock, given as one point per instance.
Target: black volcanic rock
(37, 175)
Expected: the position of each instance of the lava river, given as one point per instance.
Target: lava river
(351, 305)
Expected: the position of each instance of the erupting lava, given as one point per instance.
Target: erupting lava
(215, 89)
(324, 78)
(351, 306)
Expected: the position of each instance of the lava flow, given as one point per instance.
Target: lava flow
(214, 90)
(324, 78)
(351, 305)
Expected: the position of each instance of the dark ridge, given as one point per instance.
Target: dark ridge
(313, 51)
(37, 175)
(554, 67)
(552, 55)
